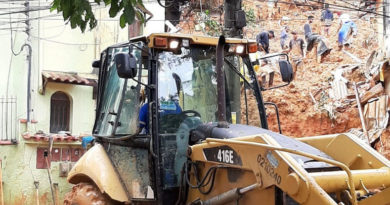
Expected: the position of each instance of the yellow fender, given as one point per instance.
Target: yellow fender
(95, 166)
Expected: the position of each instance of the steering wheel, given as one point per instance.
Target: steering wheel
(188, 113)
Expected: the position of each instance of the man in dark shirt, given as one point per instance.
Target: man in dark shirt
(327, 18)
(315, 41)
(166, 107)
(296, 46)
(262, 40)
(307, 27)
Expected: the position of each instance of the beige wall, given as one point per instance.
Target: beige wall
(82, 108)
(156, 24)
(55, 47)
(63, 49)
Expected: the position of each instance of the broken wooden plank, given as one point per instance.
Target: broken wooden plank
(318, 91)
(361, 113)
(312, 98)
(370, 60)
(358, 60)
(375, 91)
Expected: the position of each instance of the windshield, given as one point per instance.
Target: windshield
(187, 83)
(187, 94)
(187, 90)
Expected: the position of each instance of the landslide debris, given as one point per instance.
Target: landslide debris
(308, 106)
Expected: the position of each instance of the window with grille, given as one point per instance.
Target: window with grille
(59, 112)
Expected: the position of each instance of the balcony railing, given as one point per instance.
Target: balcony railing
(8, 120)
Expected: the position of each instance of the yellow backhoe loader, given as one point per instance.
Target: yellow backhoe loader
(173, 126)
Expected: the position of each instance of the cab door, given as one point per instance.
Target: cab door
(117, 124)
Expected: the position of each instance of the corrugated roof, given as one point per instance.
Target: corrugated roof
(67, 77)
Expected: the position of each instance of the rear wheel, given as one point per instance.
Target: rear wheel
(86, 194)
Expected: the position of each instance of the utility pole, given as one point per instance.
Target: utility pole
(27, 13)
(28, 58)
(234, 18)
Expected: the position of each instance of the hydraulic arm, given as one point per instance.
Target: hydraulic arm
(310, 176)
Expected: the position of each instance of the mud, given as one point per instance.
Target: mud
(86, 194)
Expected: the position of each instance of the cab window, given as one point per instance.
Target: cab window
(120, 99)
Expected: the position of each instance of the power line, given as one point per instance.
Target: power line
(12, 41)
(335, 5)
(15, 28)
(24, 11)
(66, 43)
(29, 19)
(41, 17)
(12, 8)
(353, 9)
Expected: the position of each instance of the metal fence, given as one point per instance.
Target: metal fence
(8, 120)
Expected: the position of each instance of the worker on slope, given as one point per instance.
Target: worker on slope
(315, 41)
(346, 28)
(284, 37)
(262, 40)
(296, 51)
(327, 18)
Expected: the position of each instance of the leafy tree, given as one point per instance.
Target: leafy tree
(79, 12)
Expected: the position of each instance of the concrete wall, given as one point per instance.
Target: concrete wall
(156, 24)
(82, 108)
(55, 47)
(19, 174)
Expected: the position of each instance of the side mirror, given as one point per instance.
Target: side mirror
(96, 64)
(285, 67)
(126, 65)
(286, 71)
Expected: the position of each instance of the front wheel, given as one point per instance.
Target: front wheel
(86, 194)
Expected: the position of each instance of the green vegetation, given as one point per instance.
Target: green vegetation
(214, 28)
(79, 12)
(250, 16)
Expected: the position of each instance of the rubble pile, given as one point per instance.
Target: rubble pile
(322, 97)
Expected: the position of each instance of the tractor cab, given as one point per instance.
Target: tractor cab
(153, 94)
(172, 128)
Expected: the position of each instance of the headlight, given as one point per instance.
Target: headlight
(185, 43)
(173, 44)
(240, 49)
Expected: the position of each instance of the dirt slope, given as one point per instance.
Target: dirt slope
(300, 116)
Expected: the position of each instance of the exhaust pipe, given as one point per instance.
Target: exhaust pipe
(221, 81)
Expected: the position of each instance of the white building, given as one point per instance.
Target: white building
(61, 93)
